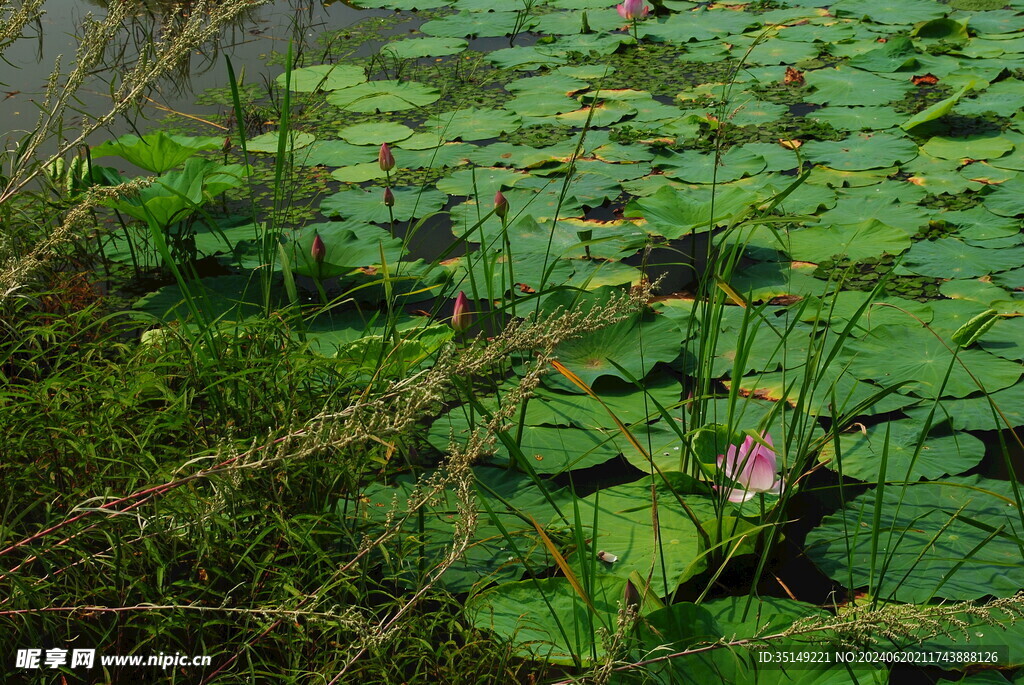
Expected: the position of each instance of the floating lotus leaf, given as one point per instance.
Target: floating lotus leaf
(490, 272)
(976, 413)
(324, 77)
(526, 57)
(770, 349)
(857, 207)
(267, 142)
(541, 104)
(220, 298)
(480, 182)
(570, 22)
(889, 11)
(635, 345)
(335, 153)
(603, 114)
(1007, 199)
(590, 43)
(869, 238)
(683, 625)
(474, 124)
(1006, 338)
(673, 214)
(349, 245)
(896, 54)
(591, 275)
(698, 167)
(538, 615)
(505, 154)
(1004, 98)
(477, 24)
(860, 454)
(872, 358)
(618, 520)
(979, 146)
(487, 558)
(431, 46)
(686, 26)
(848, 86)
(861, 151)
(931, 541)
(767, 280)
(829, 392)
(548, 450)
(375, 133)
(938, 176)
(952, 258)
(608, 240)
(384, 96)
(774, 51)
(857, 118)
(368, 205)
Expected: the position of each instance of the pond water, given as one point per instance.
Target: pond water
(249, 43)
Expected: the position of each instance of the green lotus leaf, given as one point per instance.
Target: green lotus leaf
(938, 176)
(489, 556)
(570, 22)
(618, 520)
(683, 625)
(359, 173)
(590, 43)
(848, 86)
(896, 54)
(871, 358)
(603, 114)
(861, 151)
(627, 403)
(1005, 338)
(939, 109)
(541, 104)
(349, 245)
(932, 541)
(590, 357)
(952, 258)
(698, 167)
(889, 11)
(978, 146)
(684, 27)
(324, 77)
(856, 205)
(977, 413)
(224, 299)
(335, 153)
(1007, 199)
(474, 124)
(505, 154)
(375, 133)
(477, 25)
(156, 152)
(830, 392)
(433, 157)
(268, 142)
(176, 195)
(870, 238)
(430, 46)
(526, 57)
(480, 182)
(384, 96)
(673, 214)
(490, 272)
(859, 455)
(368, 205)
(1004, 98)
(774, 51)
(857, 118)
(548, 450)
(539, 616)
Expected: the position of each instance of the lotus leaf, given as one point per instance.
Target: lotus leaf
(384, 96)
(324, 77)
(368, 206)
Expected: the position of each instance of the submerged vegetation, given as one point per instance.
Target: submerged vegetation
(558, 342)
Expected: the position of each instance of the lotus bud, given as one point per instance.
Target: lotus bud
(389, 198)
(385, 158)
(319, 250)
(226, 146)
(461, 318)
(500, 205)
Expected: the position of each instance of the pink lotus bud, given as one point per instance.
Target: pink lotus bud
(500, 205)
(389, 198)
(319, 250)
(385, 158)
(461, 318)
(632, 9)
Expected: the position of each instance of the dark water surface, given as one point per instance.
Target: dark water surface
(249, 42)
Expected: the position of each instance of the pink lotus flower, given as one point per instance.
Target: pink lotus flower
(500, 205)
(631, 10)
(319, 250)
(461, 318)
(752, 466)
(385, 159)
